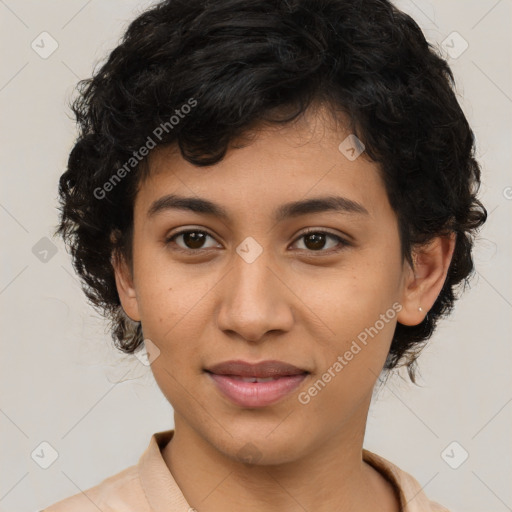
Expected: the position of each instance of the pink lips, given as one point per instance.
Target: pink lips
(279, 380)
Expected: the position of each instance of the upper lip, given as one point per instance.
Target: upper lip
(261, 370)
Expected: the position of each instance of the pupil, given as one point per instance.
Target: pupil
(193, 239)
(318, 240)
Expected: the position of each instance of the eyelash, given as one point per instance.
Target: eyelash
(310, 231)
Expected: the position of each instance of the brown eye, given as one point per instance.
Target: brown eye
(192, 240)
(317, 241)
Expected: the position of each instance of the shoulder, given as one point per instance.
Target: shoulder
(411, 495)
(121, 492)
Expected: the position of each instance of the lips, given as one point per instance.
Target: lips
(262, 370)
(256, 385)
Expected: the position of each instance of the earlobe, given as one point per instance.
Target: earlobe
(125, 287)
(423, 283)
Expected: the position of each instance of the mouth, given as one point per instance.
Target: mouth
(256, 385)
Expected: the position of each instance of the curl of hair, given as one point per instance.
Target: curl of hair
(268, 61)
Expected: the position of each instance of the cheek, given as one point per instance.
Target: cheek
(358, 308)
(350, 361)
(164, 293)
(351, 299)
(175, 308)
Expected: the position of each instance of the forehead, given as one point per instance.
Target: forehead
(270, 165)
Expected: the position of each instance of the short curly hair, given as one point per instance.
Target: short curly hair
(246, 62)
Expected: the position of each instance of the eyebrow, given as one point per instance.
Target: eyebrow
(285, 211)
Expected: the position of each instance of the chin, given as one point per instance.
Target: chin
(257, 445)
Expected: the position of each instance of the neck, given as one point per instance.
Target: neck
(331, 476)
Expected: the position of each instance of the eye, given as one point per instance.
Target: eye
(193, 240)
(315, 241)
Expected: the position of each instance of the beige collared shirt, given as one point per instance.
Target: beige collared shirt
(149, 486)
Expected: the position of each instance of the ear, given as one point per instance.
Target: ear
(423, 283)
(125, 287)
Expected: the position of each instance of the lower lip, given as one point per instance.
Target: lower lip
(256, 394)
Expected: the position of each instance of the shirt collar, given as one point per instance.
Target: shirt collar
(410, 493)
(160, 488)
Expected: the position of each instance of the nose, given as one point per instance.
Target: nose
(254, 299)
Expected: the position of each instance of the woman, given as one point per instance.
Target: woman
(277, 199)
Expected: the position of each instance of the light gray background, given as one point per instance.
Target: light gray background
(63, 383)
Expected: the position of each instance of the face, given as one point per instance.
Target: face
(317, 287)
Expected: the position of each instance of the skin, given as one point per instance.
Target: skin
(297, 302)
